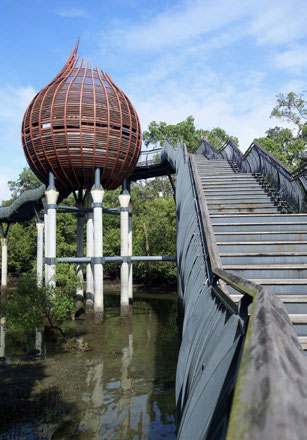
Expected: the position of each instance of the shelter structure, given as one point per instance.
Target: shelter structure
(81, 133)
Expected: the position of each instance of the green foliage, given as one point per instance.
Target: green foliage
(154, 232)
(218, 137)
(26, 180)
(292, 108)
(30, 307)
(285, 144)
(22, 247)
(185, 132)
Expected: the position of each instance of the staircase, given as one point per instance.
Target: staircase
(257, 237)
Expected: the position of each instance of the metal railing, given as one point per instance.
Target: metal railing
(290, 186)
(149, 158)
(214, 332)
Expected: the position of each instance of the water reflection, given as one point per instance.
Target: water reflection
(122, 389)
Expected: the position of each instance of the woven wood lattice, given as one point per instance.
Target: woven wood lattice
(79, 122)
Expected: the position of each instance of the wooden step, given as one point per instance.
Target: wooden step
(264, 266)
(298, 318)
(283, 298)
(303, 342)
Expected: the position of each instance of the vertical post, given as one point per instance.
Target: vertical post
(130, 273)
(4, 259)
(89, 266)
(97, 194)
(4, 266)
(38, 341)
(40, 253)
(51, 197)
(80, 250)
(2, 338)
(46, 242)
(124, 199)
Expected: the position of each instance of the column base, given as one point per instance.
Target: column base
(125, 311)
(89, 314)
(79, 306)
(98, 317)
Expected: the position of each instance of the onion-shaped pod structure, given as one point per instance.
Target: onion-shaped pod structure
(79, 122)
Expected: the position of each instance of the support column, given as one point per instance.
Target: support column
(4, 266)
(4, 233)
(51, 197)
(124, 199)
(80, 250)
(89, 266)
(97, 194)
(46, 243)
(2, 338)
(130, 273)
(40, 253)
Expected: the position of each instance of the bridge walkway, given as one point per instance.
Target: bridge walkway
(256, 238)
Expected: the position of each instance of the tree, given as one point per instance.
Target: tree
(218, 137)
(186, 132)
(26, 180)
(292, 108)
(30, 307)
(286, 144)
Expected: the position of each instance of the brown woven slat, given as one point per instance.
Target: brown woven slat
(79, 122)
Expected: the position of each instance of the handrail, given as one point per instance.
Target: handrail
(270, 393)
(272, 360)
(147, 154)
(291, 185)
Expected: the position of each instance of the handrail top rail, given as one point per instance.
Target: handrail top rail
(287, 170)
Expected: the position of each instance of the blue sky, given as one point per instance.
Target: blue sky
(222, 61)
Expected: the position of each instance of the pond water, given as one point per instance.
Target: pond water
(123, 388)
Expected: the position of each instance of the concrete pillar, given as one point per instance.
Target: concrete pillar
(124, 199)
(51, 197)
(80, 250)
(97, 194)
(46, 243)
(38, 342)
(4, 266)
(130, 273)
(2, 338)
(89, 266)
(40, 253)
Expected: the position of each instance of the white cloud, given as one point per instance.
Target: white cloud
(176, 25)
(4, 189)
(189, 62)
(72, 13)
(278, 21)
(274, 22)
(13, 103)
(242, 113)
(294, 58)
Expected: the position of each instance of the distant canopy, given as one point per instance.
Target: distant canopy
(79, 122)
